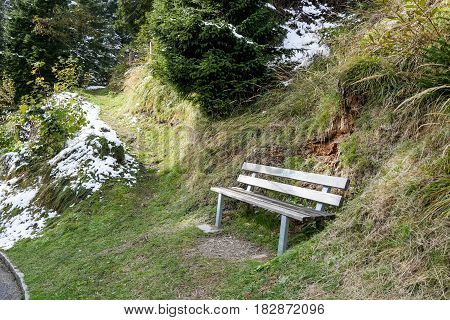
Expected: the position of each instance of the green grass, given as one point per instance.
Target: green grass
(131, 242)
(125, 243)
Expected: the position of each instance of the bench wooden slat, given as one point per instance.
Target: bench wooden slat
(327, 198)
(300, 213)
(335, 182)
(309, 211)
(262, 204)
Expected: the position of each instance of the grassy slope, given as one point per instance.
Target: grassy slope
(123, 244)
(389, 241)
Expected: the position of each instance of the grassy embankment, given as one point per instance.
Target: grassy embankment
(350, 114)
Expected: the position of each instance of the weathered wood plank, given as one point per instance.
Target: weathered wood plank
(264, 204)
(324, 180)
(290, 210)
(308, 211)
(250, 187)
(327, 198)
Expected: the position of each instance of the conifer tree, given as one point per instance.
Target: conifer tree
(3, 9)
(215, 52)
(93, 40)
(130, 16)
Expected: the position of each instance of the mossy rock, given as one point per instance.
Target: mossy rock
(106, 149)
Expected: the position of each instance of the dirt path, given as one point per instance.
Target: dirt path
(9, 290)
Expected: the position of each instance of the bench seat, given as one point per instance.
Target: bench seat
(293, 211)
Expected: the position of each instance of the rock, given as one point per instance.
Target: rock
(206, 228)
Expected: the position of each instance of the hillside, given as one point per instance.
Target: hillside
(367, 110)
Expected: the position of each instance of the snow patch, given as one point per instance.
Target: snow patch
(91, 88)
(270, 6)
(94, 156)
(230, 27)
(303, 32)
(81, 160)
(28, 222)
(25, 225)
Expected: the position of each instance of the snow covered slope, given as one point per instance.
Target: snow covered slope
(94, 156)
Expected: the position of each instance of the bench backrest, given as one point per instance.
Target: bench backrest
(322, 197)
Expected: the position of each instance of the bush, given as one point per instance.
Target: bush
(412, 25)
(9, 139)
(437, 70)
(7, 95)
(46, 123)
(215, 53)
(369, 79)
(43, 122)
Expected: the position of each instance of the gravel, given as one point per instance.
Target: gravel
(9, 290)
(229, 248)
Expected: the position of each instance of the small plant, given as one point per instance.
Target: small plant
(7, 94)
(9, 139)
(369, 78)
(45, 123)
(411, 26)
(436, 71)
(68, 74)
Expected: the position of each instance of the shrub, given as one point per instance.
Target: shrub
(412, 25)
(215, 52)
(9, 139)
(7, 95)
(44, 122)
(69, 74)
(436, 73)
(369, 79)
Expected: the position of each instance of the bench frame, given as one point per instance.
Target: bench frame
(286, 210)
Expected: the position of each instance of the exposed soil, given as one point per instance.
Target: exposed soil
(229, 248)
(326, 146)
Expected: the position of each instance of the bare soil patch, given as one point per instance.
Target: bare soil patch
(229, 248)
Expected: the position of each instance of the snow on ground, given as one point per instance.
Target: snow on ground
(28, 222)
(303, 32)
(80, 160)
(87, 161)
(90, 88)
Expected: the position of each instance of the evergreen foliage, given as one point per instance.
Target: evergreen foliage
(4, 6)
(94, 42)
(49, 31)
(130, 15)
(215, 52)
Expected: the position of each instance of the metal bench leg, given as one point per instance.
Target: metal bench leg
(284, 228)
(219, 210)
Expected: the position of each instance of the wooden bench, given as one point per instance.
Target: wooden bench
(286, 210)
